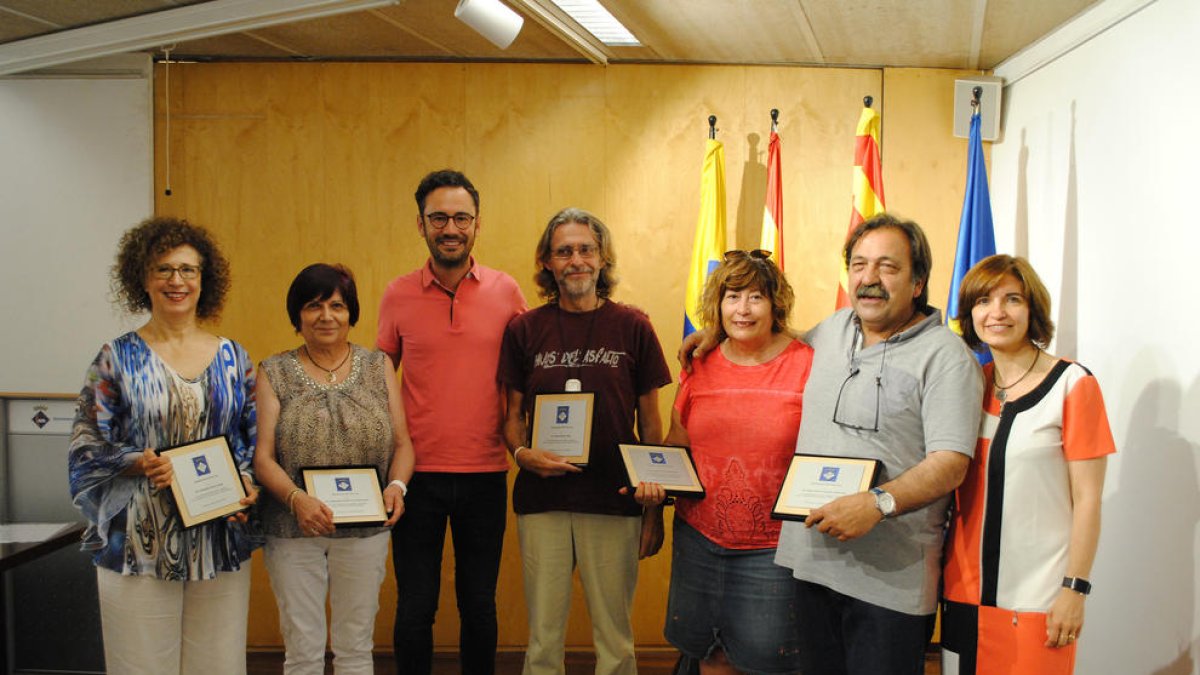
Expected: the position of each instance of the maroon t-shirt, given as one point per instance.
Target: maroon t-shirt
(614, 352)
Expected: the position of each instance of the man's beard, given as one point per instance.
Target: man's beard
(449, 259)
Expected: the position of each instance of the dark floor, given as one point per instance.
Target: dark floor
(507, 663)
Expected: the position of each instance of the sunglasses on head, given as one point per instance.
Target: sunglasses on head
(756, 254)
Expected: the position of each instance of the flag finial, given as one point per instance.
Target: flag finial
(712, 127)
(868, 100)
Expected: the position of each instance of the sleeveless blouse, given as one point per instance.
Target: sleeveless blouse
(320, 424)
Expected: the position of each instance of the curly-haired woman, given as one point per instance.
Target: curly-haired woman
(172, 600)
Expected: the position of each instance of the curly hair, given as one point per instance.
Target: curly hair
(149, 240)
(547, 285)
(741, 272)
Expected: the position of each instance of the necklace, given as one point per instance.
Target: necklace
(573, 383)
(1002, 391)
(332, 373)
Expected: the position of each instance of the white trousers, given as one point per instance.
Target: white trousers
(157, 627)
(605, 548)
(349, 570)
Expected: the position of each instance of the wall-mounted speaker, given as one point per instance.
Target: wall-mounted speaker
(989, 106)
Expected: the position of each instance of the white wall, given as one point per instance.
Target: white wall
(1095, 181)
(75, 172)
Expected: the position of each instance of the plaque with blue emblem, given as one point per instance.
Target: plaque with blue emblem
(206, 483)
(668, 465)
(353, 493)
(562, 424)
(813, 481)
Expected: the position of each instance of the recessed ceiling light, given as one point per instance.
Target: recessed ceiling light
(592, 16)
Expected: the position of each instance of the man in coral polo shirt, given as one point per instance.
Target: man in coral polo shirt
(444, 321)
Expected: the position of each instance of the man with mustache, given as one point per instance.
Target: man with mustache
(569, 517)
(445, 321)
(888, 382)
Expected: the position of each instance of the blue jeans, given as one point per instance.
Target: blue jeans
(738, 600)
(840, 635)
(476, 506)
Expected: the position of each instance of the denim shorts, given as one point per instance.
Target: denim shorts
(739, 601)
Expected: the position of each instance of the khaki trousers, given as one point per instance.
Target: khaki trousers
(605, 549)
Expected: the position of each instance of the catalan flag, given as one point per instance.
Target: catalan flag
(868, 184)
(709, 244)
(772, 227)
(976, 238)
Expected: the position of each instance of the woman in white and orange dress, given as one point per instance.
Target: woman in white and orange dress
(1027, 517)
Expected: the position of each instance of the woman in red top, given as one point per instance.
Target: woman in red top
(730, 606)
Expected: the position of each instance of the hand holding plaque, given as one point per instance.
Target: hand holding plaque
(352, 493)
(562, 424)
(204, 479)
(812, 481)
(666, 465)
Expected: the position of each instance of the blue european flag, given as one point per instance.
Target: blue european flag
(976, 238)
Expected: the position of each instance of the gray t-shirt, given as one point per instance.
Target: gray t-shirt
(928, 400)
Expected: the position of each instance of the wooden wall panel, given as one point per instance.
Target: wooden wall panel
(294, 163)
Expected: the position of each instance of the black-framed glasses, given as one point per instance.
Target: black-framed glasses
(186, 272)
(839, 417)
(854, 370)
(738, 254)
(440, 220)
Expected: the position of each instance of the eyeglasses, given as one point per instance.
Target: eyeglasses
(186, 272)
(440, 220)
(585, 251)
(838, 415)
(756, 254)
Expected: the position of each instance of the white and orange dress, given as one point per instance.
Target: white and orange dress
(1007, 553)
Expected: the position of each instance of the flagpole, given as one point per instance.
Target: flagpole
(712, 127)
(774, 119)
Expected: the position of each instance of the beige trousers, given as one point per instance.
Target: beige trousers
(605, 549)
(157, 627)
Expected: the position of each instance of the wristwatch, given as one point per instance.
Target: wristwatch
(1079, 585)
(884, 501)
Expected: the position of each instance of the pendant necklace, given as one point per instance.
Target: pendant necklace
(332, 373)
(573, 384)
(1002, 391)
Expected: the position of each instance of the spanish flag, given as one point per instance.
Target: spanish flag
(772, 227)
(868, 184)
(976, 237)
(709, 244)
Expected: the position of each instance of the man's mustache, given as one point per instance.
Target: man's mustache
(873, 291)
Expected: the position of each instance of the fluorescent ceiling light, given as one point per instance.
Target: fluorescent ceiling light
(592, 16)
(156, 29)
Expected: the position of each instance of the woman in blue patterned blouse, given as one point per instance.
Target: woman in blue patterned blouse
(172, 600)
